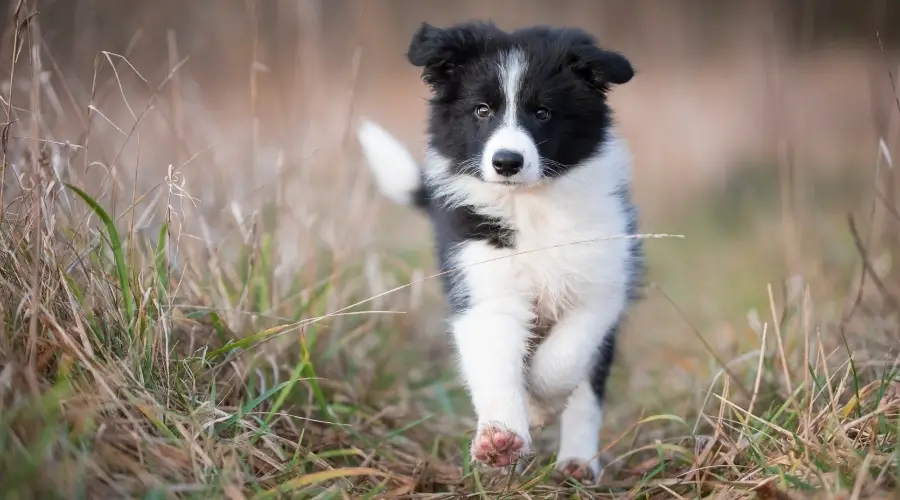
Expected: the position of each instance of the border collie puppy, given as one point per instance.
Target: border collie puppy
(527, 184)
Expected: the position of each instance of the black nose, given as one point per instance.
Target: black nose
(507, 163)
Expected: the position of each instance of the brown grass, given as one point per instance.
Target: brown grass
(152, 346)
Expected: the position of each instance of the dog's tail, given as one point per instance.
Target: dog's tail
(396, 172)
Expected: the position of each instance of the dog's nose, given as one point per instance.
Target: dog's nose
(507, 163)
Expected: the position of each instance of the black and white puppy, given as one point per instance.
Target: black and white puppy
(527, 184)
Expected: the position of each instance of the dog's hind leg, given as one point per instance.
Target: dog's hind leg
(579, 445)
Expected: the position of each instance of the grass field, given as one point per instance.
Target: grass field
(145, 355)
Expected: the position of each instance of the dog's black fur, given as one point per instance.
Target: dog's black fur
(567, 73)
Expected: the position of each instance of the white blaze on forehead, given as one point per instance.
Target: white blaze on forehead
(510, 135)
(512, 69)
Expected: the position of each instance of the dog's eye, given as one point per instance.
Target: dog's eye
(482, 111)
(542, 114)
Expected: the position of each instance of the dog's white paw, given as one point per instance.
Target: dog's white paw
(575, 469)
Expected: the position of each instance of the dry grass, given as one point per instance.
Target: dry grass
(140, 360)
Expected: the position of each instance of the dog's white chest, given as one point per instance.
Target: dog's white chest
(562, 254)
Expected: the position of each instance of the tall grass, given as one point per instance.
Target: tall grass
(139, 360)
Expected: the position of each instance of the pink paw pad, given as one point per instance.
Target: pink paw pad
(575, 470)
(497, 447)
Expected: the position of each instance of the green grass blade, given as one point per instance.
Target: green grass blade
(162, 271)
(116, 246)
(248, 341)
(253, 403)
(282, 396)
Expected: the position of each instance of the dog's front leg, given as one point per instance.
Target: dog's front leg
(570, 351)
(569, 371)
(491, 334)
(492, 342)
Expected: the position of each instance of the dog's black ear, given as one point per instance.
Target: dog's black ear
(441, 51)
(602, 68)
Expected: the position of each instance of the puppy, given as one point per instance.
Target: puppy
(527, 185)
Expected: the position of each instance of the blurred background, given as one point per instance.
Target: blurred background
(757, 127)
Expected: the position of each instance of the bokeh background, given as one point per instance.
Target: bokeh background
(757, 127)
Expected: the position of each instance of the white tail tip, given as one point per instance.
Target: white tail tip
(396, 172)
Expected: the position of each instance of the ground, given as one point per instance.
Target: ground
(126, 376)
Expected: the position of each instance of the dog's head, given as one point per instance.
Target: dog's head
(516, 108)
